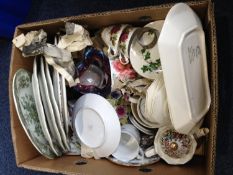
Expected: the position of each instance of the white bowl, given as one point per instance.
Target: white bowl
(97, 124)
(183, 58)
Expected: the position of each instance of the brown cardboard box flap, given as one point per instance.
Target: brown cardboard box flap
(27, 156)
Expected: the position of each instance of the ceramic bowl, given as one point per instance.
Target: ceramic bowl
(183, 58)
(96, 124)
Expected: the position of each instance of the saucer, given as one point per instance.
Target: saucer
(135, 162)
(140, 118)
(97, 124)
(146, 62)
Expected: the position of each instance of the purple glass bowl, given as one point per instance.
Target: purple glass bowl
(94, 73)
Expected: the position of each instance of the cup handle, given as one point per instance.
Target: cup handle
(124, 60)
(150, 152)
(140, 154)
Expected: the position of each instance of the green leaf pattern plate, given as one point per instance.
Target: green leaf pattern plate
(27, 113)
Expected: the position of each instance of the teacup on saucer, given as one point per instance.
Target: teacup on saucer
(144, 54)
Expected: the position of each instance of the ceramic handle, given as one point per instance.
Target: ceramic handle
(141, 32)
(150, 152)
(140, 154)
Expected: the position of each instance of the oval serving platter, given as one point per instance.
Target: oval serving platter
(27, 113)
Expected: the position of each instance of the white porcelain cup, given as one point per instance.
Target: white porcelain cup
(129, 147)
(156, 106)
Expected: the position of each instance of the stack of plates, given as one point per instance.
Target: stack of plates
(51, 105)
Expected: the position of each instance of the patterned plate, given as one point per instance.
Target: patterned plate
(27, 113)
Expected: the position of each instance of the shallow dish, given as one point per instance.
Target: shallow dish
(103, 125)
(183, 58)
(26, 110)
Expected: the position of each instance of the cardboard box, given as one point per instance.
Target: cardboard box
(27, 156)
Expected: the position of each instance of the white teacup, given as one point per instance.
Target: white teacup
(156, 106)
(129, 147)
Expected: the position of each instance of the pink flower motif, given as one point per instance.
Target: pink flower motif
(115, 29)
(126, 72)
(121, 111)
(124, 37)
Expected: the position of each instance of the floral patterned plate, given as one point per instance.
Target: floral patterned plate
(27, 113)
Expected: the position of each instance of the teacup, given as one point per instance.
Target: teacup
(111, 36)
(124, 43)
(129, 146)
(156, 106)
(175, 148)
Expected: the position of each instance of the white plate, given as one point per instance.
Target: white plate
(26, 110)
(136, 56)
(139, 126)
(49, 114)
(65, 112)
(140, 118)
(57, 91)
(183, 58)
(48, 108)
(106, 116)
(54, 104)
(40, 110)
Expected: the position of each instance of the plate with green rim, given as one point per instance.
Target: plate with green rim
(26, 109)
